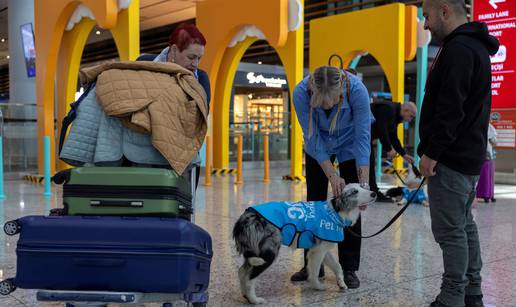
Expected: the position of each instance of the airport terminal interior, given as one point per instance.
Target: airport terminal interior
(120, 217)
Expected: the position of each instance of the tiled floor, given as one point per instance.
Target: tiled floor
(401, 267)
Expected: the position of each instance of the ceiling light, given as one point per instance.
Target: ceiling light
(259, 62)
(98, 32)
(3, 40)
(8, 57)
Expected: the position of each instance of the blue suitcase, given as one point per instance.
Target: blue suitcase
(139, 254)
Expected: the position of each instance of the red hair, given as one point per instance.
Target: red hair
(185, 35)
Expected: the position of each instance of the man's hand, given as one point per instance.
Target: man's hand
(409, 159)
(391, 154)
(427, 166)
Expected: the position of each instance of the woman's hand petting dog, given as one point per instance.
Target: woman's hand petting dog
(337, 185)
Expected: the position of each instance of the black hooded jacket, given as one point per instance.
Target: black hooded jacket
(457, 104)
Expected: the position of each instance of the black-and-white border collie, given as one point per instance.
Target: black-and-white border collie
(259, 242)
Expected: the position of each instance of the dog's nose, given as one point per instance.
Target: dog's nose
(373, 194)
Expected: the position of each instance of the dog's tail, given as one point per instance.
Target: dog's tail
(256, 261)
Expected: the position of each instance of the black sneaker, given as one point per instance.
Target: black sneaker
(436, 303)
(486, 200)
(351, 279)
(493, 200)
(474, 301)
(303, 275)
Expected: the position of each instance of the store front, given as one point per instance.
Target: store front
(260, 105)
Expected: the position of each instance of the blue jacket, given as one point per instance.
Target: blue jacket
(352, 137)
(315, 219)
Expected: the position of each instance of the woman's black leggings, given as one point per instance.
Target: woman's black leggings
(317, 189)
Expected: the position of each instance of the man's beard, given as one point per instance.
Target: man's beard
(438, 35)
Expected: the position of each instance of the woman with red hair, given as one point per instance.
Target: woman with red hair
(186, 48)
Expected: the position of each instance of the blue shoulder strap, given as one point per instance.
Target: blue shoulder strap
(72, 114)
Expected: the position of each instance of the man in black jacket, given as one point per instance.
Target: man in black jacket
(388, 115)
(453, 130)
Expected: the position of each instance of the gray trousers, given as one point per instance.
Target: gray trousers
(451, 195)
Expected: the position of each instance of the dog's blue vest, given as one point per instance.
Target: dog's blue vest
(315, 219)
(418, 199)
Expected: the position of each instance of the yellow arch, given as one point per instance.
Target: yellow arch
(127, 38)
(51, 17)
(381, 31)
(220, 20)
(221, 101)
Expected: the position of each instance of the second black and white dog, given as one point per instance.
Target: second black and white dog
(259, 240)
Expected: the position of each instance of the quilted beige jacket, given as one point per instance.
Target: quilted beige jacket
(163, 99)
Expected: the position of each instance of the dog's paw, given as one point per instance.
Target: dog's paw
(341, 284)
(318, 286)
(255, 300)
(260, 301)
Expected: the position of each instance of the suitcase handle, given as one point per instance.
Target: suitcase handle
(108, 262)
(117, 203)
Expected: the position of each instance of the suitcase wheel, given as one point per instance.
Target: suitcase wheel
(199, 304)
(12, 228)
(7, 287)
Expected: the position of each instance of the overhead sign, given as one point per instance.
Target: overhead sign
(253, 78)
(500, 17)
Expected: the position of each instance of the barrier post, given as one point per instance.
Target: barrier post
(207, 168)
(240, 144)
(47, 190)
(266, 178)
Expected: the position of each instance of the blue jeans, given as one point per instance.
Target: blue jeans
(451, 195)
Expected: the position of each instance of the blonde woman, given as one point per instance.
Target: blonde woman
(332, 106)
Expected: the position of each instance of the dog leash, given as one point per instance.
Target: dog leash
(394, 218)
(417, 173)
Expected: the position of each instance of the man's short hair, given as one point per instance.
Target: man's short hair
(458, 6)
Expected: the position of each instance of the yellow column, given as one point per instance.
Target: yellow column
(397, 79)
(68, 69)
(221, 101)
(50, 19)
(127, 32)
(292, 56)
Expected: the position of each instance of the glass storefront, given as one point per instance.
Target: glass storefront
(260, 105)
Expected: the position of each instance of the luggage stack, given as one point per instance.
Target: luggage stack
(122, 229)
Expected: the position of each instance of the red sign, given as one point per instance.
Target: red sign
(505, 123)
(500, 17)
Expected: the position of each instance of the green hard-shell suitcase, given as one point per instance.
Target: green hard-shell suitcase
(124, 191)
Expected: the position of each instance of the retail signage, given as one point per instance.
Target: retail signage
(500, 17)
(505, 123)
(253, 78)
